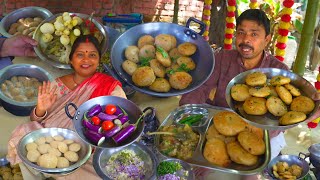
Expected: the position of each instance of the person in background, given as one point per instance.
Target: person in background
(85, 83)
(16, 46)
(251, 39)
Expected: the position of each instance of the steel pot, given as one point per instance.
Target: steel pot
(203, 57)
(132, 109)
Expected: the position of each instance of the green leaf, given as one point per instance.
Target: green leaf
(162, 51)
(183, 67)
(298, 25)
(277, 8)
(145, 61)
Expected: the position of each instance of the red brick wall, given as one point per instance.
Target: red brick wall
(153, 10)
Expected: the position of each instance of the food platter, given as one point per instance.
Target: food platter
(269, 121)
(198, 158)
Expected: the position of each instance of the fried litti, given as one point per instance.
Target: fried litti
(166, 41)
(292, 117)
(240, 92)
(143, 76)
(239, 155)
(180, 80)
(132, 53)
(257, 131)
(293, 90)
(279, 80)
(256, 79)
(251, 143)
(189, 63)
(255, 106)
(165, 61)
(174, 54)
(276, 106)
(212, 132)
(228, 123)
(129, 67)
(284, 94)
(160, 85)
(158, 69)
(144, 40)
(187, 48)
(147, 51)
(215, 152)
(260, 91)
(273, 91)
(302, 104)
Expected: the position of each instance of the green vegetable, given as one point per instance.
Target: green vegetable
(183, 67)
(145, 61)
(191, 119)
(162, 51)
(167, 167)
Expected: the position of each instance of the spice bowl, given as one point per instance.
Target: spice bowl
(178, 170)
(192, 115)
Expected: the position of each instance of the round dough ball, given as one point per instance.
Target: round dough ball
(215, 152)
(40, 141)
(33, 155)
(129, 67)
(49, 139)
(187, 48)
(239, 155)
(284, 94)
(189, 63)
(75, 147)
(48, 161)
(255, 106)
(293, 90)
(44, 148)
(143, 76)
(68, 141)
(251, 143)
(31, 146)
(260, 91)
(71, 156)
(240, 92)
(54, 144)
(256, 79)
(58, 138)
(62, 147)
(180, 80)
(63, 162)
(157, 68)
(228, 123)
(147, 51)
(132, 53)
(164, 60)
(276, 106)
(292, 117)
(54, 151)
(145, 40)
(166, 41)
(279, 80)
(302, 104)
(160, 85)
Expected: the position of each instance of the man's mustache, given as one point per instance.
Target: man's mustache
(242, 45)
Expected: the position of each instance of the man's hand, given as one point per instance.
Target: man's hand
(18, 46)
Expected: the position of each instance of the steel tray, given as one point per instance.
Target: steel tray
(198, 159)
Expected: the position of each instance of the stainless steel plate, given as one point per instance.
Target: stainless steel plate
(268, 121)
(198, 158)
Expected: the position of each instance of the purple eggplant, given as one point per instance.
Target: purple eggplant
(113, 131)
(96, 109)
(118, 111)
(123, 111)
(90, 126)
(94, 137)
(127, 131)
(103, 116)
(121, 120)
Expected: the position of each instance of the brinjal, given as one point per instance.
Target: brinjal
(112, 132)
(123, 111)
(96, 109)
(118, 111)
(90, 126)
(127, 131)
(94, 137)
(103, 116)
(121, 120)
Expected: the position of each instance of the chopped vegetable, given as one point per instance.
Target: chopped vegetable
(110, 109)
(64, 39)
(46, 37)
(104, 116)
(107, 125)
(47, 28)
(162, 51)
(95, 110)
(191, 119)
(95, 120)
(168, 167)
(95, 137)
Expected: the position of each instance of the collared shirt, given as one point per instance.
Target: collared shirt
(228, 64)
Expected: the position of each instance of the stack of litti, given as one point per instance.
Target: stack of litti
(278, 97)
(11, 172)
(53, 152)
(158, 63)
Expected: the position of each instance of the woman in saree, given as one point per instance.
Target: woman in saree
(85, 83)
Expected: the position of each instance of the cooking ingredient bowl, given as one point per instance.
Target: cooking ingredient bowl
(184, 171)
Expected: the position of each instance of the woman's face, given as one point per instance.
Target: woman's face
(85, 59)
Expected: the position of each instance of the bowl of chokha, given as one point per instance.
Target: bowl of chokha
(53, 150)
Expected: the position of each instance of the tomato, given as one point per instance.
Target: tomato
(107, 125)
(95, 120)
(110, 109)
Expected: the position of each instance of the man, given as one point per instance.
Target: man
(15, 46)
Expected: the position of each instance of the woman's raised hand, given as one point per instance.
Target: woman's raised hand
(46, 97)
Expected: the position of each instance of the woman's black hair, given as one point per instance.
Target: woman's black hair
(84, 39)
(255, 15)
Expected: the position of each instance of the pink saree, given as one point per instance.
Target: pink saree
(98, 85)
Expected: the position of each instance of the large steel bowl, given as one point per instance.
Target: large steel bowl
(25, 12)
(203, 57)
(15, 107)
(268, 121)
(84, 152)
(101, 157)
(37, 35)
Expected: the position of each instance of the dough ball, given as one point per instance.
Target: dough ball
(132, 53)
(293, 90)
(129, 67)
(260, 91)
(256, 79)
(144, 40)
(33, 155)
(58, 138)
(40, 141)
(48, 161)
(143, 76)
(166, 41)
(292, 117)
(71, 156)
(239, 155)
(160, 85)
(284, 94)
(276, 106)
(147, 51)
(187, 48)
(187, 61)
(251, 143)
(44, 148)
(62, 147)
(49, 139)
(180, 80)
(31, 146)
(279, 80)
(240, 92)
(75, 147)
(228, 123)
(302, 104)
(68, 141)
(255, 106)
(215, 152)
(63, 162)
(54, 144)
(157, 68)
(54, 151)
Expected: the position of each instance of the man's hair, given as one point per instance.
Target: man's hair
(85, 39)
(255, 15)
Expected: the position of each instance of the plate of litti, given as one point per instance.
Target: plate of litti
(271, 98)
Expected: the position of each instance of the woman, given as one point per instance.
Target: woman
(85, 83)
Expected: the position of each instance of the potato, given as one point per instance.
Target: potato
(129, 67)
(166, 41)
(187, 61)
(157, 67)
(165, 61)
(21, 28)
(34, 24)
(180, 80)
(37, 19)
(147, 51)
(144, 40)
(132, 53)
(160, 85)
(143, 76)
(187, 48)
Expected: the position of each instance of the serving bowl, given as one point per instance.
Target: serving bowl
(269, 121)
(14, 16)
(186, 171)
(58, 64)
(83, 154)
(101, 157)
(15, 107)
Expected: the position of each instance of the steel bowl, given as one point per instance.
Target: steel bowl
(14, 16)
(37, 36)
(101, 157)
(185, 173)
(268, 121)
(290, 159)
(84, 152)
(15, 107)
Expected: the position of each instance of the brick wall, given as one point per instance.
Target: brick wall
(153, 10)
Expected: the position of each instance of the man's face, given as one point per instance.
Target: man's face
(251, 39)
